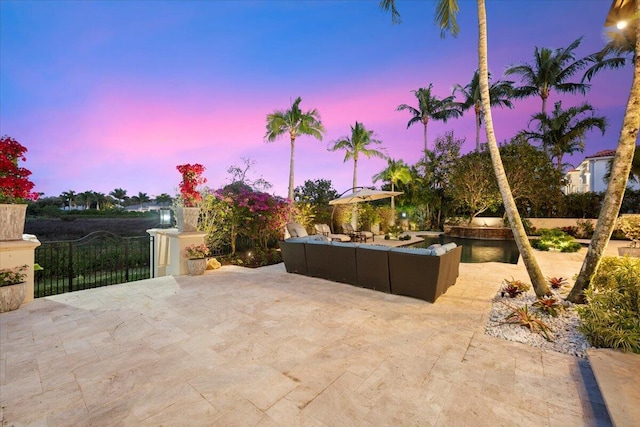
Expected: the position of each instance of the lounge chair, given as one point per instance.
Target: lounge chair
(326, 231)
(348, 229)
(296, 230)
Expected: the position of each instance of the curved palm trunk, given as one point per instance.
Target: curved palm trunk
(393, 205)
(535, 274)
(426, 146)
(354, 209)
(290, 195)
(617, 183)
(477, 110)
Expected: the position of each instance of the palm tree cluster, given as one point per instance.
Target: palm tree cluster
(116, 198)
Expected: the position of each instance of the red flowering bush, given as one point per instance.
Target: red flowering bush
(191, 178)
(15, 186)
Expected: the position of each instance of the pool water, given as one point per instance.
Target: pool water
(477, 250)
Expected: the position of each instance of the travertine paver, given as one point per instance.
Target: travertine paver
(263, 347)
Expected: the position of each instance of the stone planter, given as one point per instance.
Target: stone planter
(187, 218)
(197, 267)
(12, 296)
(627, 251)
(12, 221)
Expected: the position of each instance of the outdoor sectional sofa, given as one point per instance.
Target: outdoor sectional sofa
(419, 273)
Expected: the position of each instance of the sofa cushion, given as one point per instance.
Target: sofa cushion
(345, 244)
(296, 230)
(297, 239)
(449, 246)
(318, 239)
(435, 245)
(441, 250)
(376, 247)
(414, 251)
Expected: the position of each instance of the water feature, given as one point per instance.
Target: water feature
(478, 250)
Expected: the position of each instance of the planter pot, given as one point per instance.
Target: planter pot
(12, 221)
(187, 218)
(632, 252)
(12, 296)
(197, 266)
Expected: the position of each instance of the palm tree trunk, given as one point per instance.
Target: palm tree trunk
(425, 141)
(290, 195)
(477, 130)
(535, 274)
(354, 209)
(617, 183)
(393, 205)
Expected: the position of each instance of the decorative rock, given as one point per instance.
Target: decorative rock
(213, 264)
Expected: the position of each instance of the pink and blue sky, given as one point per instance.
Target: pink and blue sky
(108, 94)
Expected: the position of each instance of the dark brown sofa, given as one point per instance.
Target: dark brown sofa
(411, 272)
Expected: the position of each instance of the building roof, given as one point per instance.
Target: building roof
(603, 153)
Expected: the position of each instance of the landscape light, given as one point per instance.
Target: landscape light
(165, 218)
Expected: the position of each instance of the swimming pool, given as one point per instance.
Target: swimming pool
(478, 250)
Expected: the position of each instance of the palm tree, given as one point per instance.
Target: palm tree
(620, 170)
(563, 132)
(500, 93)
(163, 199)
(430, 107)
(143, 198)
(120, 195)
(550, 70)
(69, 197)
(396, 171)
(359, 142)
(446, 17)
(293, 122)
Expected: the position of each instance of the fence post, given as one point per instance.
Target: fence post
(70, 267)
(126, 260)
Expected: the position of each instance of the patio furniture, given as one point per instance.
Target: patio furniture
(296, 230)
(293, 255)
(326, 231)
(342, 262)
(373, 267)
(361, 236)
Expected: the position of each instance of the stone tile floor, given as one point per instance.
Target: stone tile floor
(241, 347)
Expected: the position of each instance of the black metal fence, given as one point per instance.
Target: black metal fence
(98, 259)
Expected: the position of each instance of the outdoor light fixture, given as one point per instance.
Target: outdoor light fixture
(620, 13)
(165, 218)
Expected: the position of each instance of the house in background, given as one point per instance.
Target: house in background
(589, 175)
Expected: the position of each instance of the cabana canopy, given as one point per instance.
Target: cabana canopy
(364, 195)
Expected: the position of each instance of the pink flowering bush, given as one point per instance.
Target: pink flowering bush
(15, 186)
(191, 179)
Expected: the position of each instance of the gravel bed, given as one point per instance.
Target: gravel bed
(564, 328)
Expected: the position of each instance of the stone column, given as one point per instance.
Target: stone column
(14, 253)
(159, 250)
(177, 264)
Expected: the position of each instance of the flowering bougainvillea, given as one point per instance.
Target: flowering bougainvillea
(191, 178)
(254, 214)
(15, 186)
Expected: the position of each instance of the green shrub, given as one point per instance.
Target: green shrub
(611, 316)
(555, 239)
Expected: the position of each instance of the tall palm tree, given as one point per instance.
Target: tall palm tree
(446, 17)
(430, 107)
(120, 195)
(550, 71)
(293, 122)
(163, 199)
(143, 198)
(359, 143)
(563, 131)
(620, 169)
(500, 93)
(396, 171)
(69, 198)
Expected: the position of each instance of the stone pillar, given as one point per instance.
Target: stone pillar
(14, 253)
(159, 250)
(177, 264)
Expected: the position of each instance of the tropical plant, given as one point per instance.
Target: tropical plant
(430, 107)
(191, 179)
(13, 276)
(120, 195)
(563, 131)
(500, 93)
(293, 122)
(630, 226)
(557, 240)
(514, 287)
(619, 171)
(611, 316)
(360, 142)
(446, 18)
(557, 282)
(69, 198)
(549, 305)
(196, 251)
(523, 317)
(15, 185)
(163, 199)
(396, 171)
(551, 70)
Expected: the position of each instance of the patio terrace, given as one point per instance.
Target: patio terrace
(263, 347)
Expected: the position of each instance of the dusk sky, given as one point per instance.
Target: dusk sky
(108, 94)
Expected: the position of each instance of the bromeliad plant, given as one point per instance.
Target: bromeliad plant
(13, 276)
(523, 317)
(549, 305)
(15, 186)
(196, 251)
(557, 282)
(514, 287)
(191, 179)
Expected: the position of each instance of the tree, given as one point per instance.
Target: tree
(69, 198)
(619, 175)
(317, 192)
(241, 174)
(143, 198)
(550, 71)
(164, 199)
(359, 142)
(473, 185)
(293, 122)
(395, 172)
(446, 17)
(634, 172)
(563, 131)
(120, 195)
(430, 107)
(500, 93)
